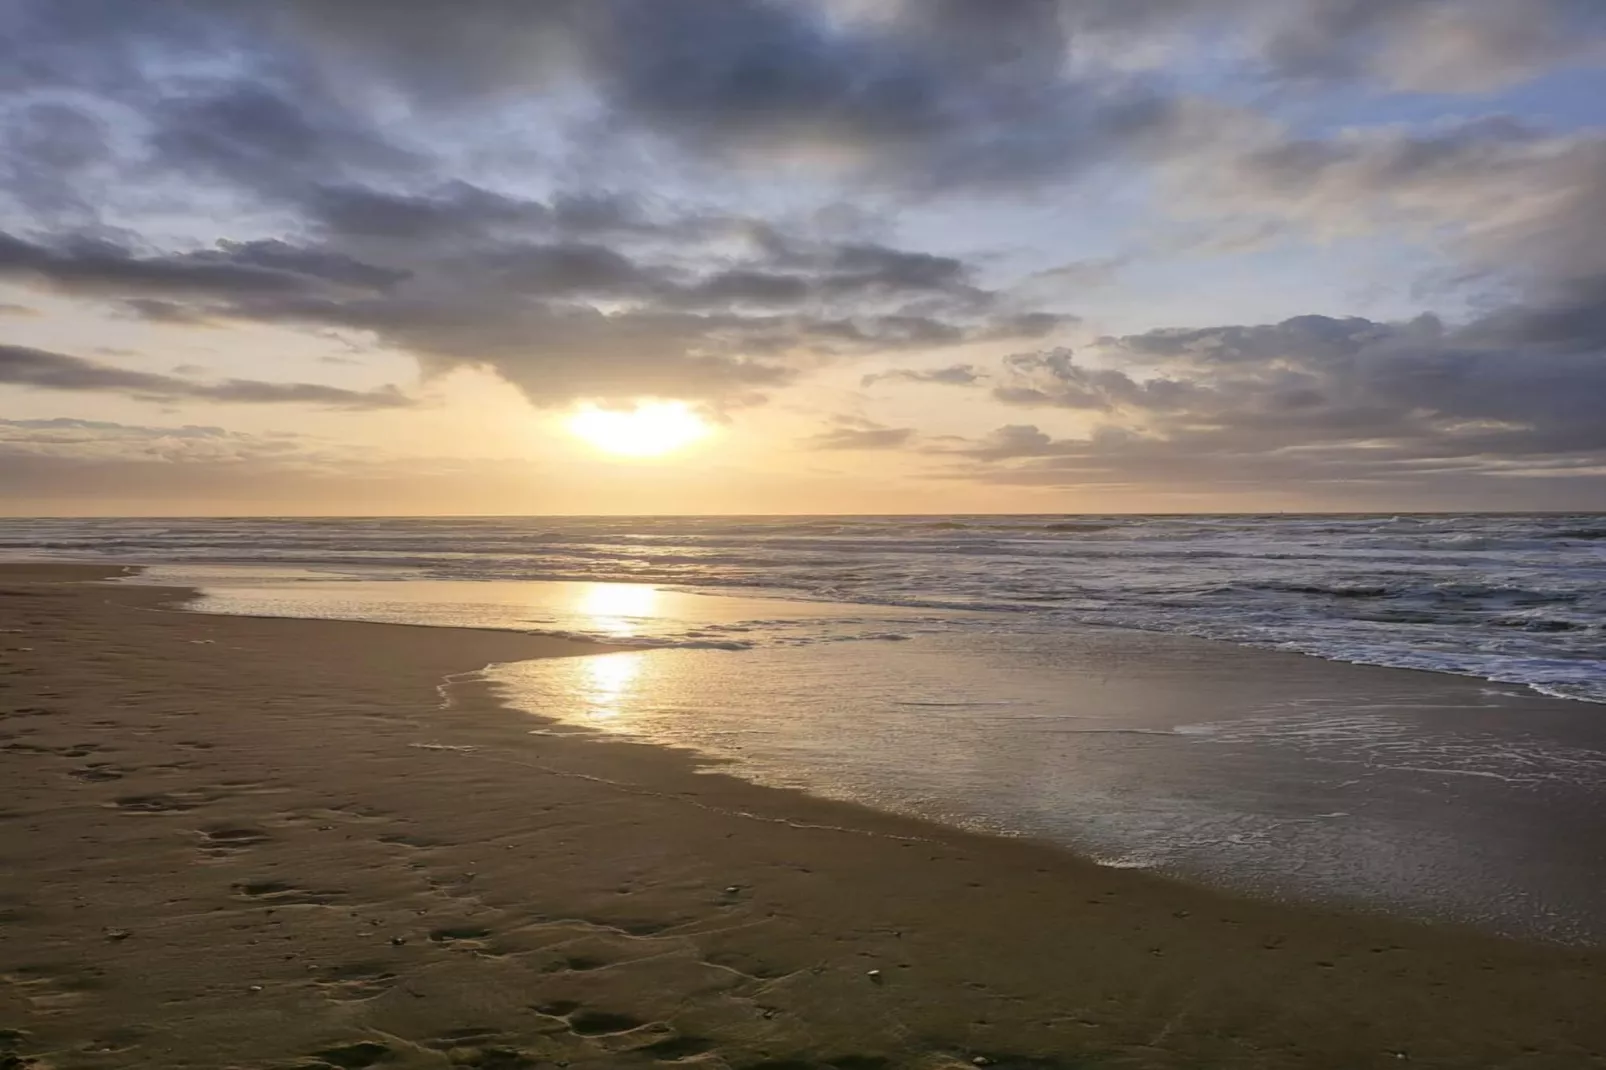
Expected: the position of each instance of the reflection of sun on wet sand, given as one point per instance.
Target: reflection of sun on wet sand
(263, 843)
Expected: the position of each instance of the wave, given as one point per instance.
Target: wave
(1473, 594)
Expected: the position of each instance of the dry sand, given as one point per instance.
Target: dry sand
(236, 842)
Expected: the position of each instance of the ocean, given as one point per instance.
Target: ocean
(1515, 599)
(1161, 692)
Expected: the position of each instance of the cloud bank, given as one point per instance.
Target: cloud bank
(705, 200)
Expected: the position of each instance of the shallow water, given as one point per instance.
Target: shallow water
(1427, 794)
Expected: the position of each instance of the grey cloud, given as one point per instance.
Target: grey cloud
(743, 77)
(953, 375)
(62, 464)
(357, 211)
(99, 441)
(1433, 45)
(48, 152)
(936, 92)
(1010, 442)
(1145, 468)
(268, 139)
(98, 267)
(439, 52)
(1511, 199)
(855, 433)
(1076, 275)
(927, 95)
(328, 265)
(573, 294)
(41, 369)
(563, 318)
(570, 268)
(154, 310)
(282, 108)
(1332, 399)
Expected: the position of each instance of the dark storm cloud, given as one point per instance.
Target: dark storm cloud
(44, 370)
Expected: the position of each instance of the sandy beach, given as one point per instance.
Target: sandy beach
(263, 843)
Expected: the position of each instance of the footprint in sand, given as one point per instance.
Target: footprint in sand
(467, 937)
(674, 1049)
(357, 1056)
(228, 841)
(746, 965)
(354, 982)
(175, 802)
(585, 1021)
(401, 839)
(577, 964)
(50, 989)
(482, 1048)
(280, 893)
(97, 773)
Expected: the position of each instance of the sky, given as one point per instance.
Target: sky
(367, 257)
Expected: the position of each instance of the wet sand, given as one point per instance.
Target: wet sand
(236, 842)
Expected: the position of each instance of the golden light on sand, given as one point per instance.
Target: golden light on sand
(651, 429)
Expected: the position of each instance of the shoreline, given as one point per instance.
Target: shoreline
(560, 900)
(350, 573)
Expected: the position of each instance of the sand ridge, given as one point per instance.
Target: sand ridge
(256, 843)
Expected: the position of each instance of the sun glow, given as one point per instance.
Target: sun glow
(651, 429)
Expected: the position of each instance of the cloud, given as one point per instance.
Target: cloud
(593, 294)
(929, 95)
(1011, 442)
(1433, 45)
(93, 467)
(612, 198)
(64, 439)
(953, 375)
(856, 433)
(729, 310)
(44, 370)
(100, 267)
(1506, 197)
(1329, 399)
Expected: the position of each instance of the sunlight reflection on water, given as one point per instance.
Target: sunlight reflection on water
(617, 609)
(605, 689)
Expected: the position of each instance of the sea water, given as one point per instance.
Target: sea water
(1510, 598)
(1074, 679)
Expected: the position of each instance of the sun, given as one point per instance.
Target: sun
(650, 429)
